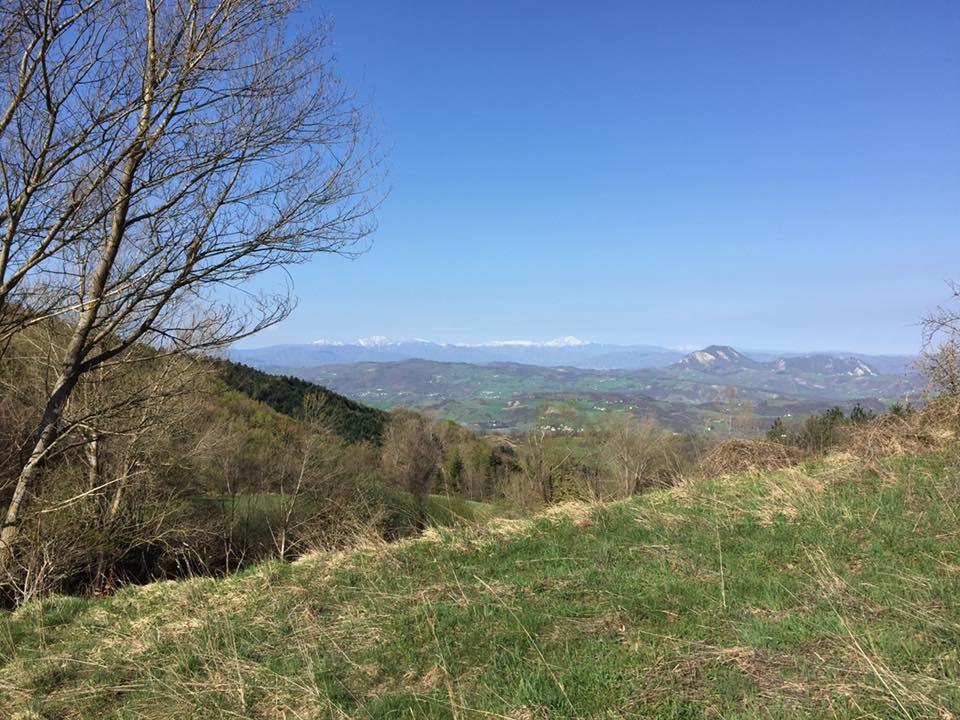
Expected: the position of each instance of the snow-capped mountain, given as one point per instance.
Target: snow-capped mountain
(566, 341)
(376, 341)
(567, 350)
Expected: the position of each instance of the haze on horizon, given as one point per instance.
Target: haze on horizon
(566, 341)
(656, 173)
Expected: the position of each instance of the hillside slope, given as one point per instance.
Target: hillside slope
(353, 421)
(823, 591)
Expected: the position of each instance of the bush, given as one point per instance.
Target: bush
(820, 432)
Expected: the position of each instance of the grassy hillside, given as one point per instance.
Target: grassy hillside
(822, 591)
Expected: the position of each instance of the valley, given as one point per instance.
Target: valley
(717, 389)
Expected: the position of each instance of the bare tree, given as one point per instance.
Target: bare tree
(412, 452)
(539, 465)
(633, 451)
(154, 155)
(155, 397)
(320, 470)
(940, 360)
(103, 500)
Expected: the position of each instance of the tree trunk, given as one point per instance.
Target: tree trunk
(102, 580)
(46, 434)
(546, 486)
(93, 461)
(420, 520)
(78, 347)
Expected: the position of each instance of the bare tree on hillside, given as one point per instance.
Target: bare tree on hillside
(940, 359)
(155, 397)
(154, 155)
(412, 453)
(539, 463)
(106, 494)
(633, 451)
(320, 472)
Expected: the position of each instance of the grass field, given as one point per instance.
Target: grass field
(829, 590)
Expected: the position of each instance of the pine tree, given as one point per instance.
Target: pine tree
(778, 432)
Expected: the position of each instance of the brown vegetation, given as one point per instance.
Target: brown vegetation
(891, 435)
(412, 454)
(744, 455)
(136, 138)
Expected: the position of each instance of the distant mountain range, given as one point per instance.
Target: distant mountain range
(698, 391)
(721, 359)
(569, 351)
(560, 352)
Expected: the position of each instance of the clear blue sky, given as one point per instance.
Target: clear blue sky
(763, 174)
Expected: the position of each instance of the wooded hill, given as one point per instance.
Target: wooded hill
(352, 421)
(181, 465)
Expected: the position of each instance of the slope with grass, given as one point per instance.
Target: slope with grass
(825, 590)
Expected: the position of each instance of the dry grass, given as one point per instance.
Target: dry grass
(942, 413)
(748, 456)
(678, 604)
(934, 427)
(890, 435)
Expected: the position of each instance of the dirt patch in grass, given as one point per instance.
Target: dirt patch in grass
(787, 680)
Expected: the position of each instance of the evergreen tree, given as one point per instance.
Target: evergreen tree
(778, 432)
(859, 416)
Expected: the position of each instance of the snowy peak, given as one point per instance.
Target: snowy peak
(375, 341)
(566, 341)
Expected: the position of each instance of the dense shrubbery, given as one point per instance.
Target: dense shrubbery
(819, 433)
(901, 430)
(619, 458)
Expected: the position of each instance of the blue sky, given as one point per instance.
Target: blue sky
(766, 175)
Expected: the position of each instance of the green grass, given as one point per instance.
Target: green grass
(385, 510)
(452, 511)
(826, 591)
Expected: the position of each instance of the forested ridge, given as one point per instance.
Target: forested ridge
(353, 421)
